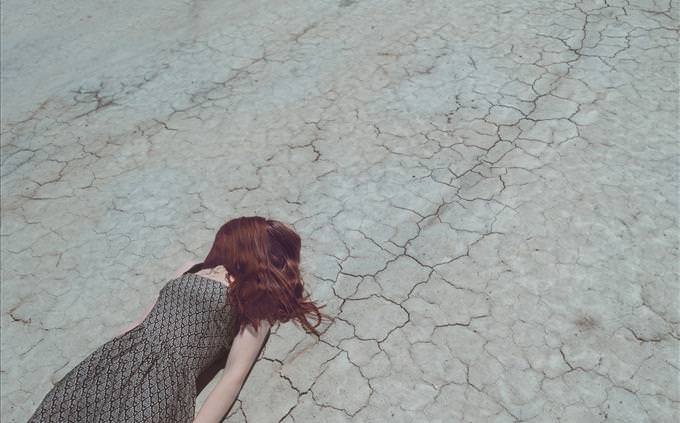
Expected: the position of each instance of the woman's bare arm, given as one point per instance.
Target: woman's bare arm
(178, 273)
(242, 355)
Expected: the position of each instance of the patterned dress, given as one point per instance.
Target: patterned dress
(149, 373)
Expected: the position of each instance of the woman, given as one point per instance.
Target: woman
(249, 281)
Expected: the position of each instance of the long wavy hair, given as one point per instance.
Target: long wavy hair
(263, 256)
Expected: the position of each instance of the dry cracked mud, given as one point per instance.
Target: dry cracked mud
(487, 194)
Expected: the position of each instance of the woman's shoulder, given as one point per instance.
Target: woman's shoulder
(186, 266)
(218, 274)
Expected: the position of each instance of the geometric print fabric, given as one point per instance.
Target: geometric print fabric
(149, 373)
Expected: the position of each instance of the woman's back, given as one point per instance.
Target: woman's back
(150, 371)
(191, 321)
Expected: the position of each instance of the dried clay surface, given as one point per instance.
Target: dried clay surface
(487, 194)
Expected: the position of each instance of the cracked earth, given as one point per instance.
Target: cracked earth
(487, 194)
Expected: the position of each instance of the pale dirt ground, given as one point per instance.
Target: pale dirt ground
(487, 194)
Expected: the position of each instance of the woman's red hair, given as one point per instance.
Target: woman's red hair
(263, 255)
